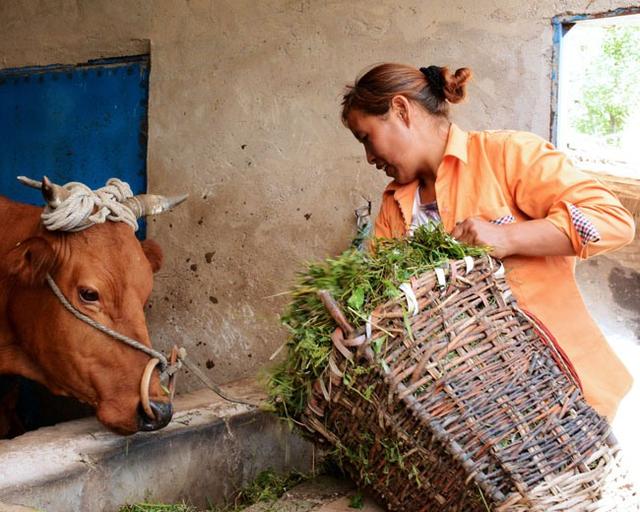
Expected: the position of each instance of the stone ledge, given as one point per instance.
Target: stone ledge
(210, 448)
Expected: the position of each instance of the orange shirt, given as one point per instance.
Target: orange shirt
(506, 176)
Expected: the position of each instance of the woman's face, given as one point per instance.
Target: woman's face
(387, 143)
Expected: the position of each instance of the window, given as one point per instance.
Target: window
(596, 109)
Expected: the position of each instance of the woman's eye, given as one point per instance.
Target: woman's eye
(89, 295)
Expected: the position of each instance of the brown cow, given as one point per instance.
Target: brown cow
(107, 274)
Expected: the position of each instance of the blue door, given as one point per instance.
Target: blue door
(84, 123)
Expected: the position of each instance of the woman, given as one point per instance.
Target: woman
(509, 190)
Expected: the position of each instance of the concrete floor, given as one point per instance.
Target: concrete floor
(611, 289)
(321, 494)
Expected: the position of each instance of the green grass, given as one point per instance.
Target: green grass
(158, 507)
(359, 282)
(268, 486)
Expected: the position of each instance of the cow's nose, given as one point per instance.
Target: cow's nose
(163, 412)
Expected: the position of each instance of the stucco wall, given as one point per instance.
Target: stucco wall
(243, 115)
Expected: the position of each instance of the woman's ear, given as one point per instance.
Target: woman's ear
(401, 107)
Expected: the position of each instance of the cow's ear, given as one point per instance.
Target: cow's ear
(153, 252)
(31, 260)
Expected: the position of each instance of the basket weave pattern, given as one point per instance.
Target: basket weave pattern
(461, 406)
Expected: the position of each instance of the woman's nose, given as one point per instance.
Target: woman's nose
(370, 157)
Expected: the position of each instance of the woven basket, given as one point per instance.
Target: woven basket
(452, 399)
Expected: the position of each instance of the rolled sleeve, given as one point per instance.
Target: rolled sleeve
(545, 185)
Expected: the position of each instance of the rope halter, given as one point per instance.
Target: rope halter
(167, 368)
(74, 207)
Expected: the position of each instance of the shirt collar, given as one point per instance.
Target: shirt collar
(457, 143)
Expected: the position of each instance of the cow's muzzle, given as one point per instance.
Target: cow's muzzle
(162, 413)
(154, 415)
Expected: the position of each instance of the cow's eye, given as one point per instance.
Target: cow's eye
(89, 295)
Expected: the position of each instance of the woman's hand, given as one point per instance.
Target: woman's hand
(477, 231)
(529, 238)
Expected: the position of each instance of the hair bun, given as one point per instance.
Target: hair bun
(436, 80)
(455, 85)
(433, 88)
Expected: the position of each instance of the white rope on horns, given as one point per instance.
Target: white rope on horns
(85, 207)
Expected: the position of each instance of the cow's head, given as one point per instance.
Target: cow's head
(107, 275)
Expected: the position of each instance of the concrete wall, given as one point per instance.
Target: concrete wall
(243, 115)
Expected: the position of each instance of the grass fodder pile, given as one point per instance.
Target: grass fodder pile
(359, 281)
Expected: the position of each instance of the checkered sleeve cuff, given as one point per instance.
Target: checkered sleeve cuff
(585, 228)
(507, 219)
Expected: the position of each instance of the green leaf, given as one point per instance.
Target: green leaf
(357, 299)
(356, 501)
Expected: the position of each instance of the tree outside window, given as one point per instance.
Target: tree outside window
(599, 95)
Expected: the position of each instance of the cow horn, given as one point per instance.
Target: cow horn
(148, 204)
(52, 193)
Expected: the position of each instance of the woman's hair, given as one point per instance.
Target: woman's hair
(433, 88)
